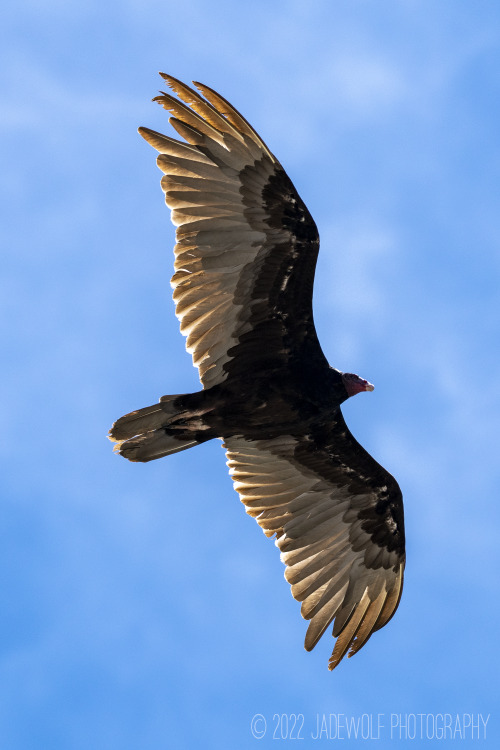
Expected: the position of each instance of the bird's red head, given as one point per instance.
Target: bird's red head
(354, 384)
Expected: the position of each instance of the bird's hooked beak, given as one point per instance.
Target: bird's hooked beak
(354, 384)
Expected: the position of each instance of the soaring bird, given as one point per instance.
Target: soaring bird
(245, 256)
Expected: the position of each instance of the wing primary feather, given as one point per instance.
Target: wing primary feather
(323, 618)
(346, 637)
(189, 116)
(234, 117)
(166, 145)
(202, 107)
(191, 134)
(392, 601)
(368, 624)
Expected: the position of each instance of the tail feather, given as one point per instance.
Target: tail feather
(153, 432)
(144, 420)
(155, 444)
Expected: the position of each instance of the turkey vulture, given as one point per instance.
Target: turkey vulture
(243, 284)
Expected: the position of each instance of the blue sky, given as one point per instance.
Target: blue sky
(141, 607)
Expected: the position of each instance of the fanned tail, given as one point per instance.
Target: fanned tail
(153, 432)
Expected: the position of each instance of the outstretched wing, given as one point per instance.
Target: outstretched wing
(338, 519)
(246, 244)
